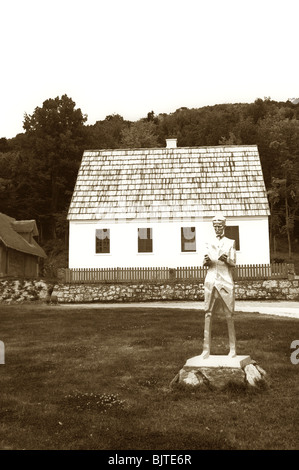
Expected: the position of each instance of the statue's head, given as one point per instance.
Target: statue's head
(219, 222)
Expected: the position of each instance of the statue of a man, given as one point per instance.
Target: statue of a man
(220, 257)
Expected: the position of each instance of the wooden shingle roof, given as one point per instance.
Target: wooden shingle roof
(169, 182)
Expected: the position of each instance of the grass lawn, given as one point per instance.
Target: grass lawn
(93, 378)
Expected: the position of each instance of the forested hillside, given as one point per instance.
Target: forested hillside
(38, 168)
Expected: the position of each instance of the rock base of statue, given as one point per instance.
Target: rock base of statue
(220, 372)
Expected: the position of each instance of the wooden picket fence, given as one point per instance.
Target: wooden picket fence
(240, 272)
(117, 275)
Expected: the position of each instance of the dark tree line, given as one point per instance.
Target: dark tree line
(38, 168)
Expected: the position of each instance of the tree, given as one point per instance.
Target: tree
(10, 163)
(38, 168)
(283, 146)
(259, 109)
(284, 203)
(140, 134)
(106, 134)
(4, 145)
(231, 140)
(54, 142)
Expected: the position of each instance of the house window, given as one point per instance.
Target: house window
(188, 240)
(145, 240)
(103, 240)
(232, 232)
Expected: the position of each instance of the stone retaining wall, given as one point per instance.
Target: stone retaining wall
(245, 290)
(18, 291)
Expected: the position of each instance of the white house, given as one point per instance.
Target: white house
(153, 207)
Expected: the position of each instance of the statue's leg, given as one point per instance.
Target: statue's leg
(207, 335)
(231, 336)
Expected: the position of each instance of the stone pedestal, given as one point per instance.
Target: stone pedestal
(217, 372)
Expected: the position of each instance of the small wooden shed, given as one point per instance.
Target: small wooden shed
(19, 252)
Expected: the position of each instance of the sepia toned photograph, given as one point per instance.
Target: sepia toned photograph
(149, 229)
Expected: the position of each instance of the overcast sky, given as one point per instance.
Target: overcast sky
(133, 56)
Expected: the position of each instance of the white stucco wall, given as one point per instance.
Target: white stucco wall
(253, 232)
